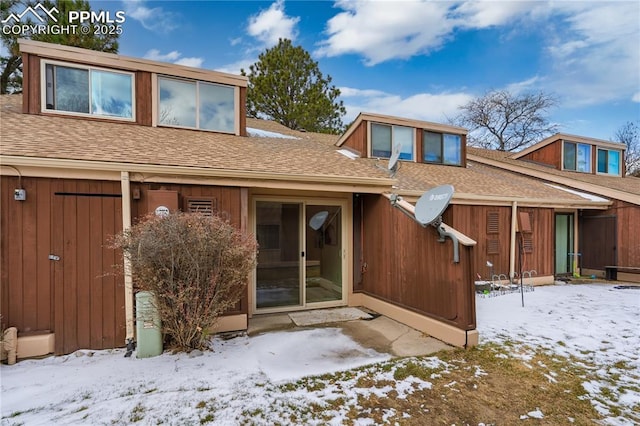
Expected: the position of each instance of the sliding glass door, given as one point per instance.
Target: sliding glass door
(301, 254)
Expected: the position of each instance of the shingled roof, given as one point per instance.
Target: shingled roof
(56, 137)
(620, 188)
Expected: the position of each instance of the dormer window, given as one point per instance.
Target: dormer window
(384, 136)
(196, 104)
(577, 157)
(79, 90)
(609, 161)
(441, 148)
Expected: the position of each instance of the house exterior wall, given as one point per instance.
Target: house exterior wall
(357, 141)
(144, 92)
(405, 264)
(79, 296)
(550, 154)
(627, 243)
(490, 226)
(230, 203)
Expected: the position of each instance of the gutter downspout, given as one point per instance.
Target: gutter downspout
(128, 278)
(512, 245)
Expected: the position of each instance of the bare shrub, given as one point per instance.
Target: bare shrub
(197, 267)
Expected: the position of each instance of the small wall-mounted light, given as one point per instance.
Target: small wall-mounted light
(19, 195)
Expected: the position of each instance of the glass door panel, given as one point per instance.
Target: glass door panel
(323, 253)
(564, 243)
(279, 272)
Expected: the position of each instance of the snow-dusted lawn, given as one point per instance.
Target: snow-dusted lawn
(260, 380)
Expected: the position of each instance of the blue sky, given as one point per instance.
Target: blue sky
(418, 59)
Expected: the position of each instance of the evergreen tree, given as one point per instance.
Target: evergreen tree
(11, 65)
(286, 85)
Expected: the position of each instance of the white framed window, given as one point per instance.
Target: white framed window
(383, 136)
(608, 162)
(576, 157)
(441, 148)
(196, 104)
(89, 91)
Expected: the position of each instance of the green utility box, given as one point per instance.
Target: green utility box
(147, 326)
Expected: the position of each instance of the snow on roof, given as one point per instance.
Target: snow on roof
(348, 154)
(581, 194)
(258, 133)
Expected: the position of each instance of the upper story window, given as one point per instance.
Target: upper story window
(384, 136)
(577, 156)
(196, 104)
(609, 161)
(441, 148)
(87, 90)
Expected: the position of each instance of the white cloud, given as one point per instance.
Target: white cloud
(385, 30)
(594, 54)
(154, 19)
(190, 62)
(235, 67)
(175, 57)
(272, 24)
(531, 84)
(436, 107)
(636, 97)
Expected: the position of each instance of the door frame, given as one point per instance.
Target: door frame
(572, 246)
(344, 205)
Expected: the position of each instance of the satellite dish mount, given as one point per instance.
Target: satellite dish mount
(428, 211)
(393, 160)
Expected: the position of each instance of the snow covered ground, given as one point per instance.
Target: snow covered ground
(243, 379)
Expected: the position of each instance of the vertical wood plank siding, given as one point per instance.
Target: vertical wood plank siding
(406, 265)
(144, 98)
(472, 221)
(627, 234)
(550, 154)
(78, 297)
(358, 140)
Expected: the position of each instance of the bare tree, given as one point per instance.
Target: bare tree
(629, 134)
(507, 122)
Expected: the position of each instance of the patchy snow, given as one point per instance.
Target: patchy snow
(259, 133)
(578, 193)
(252, 379)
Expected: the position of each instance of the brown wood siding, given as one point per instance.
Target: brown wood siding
(229, 202)
(495, 247)
(406, 265)
(541, 258)
(491, 246)
(358, 140)
(550, 154)
(464, 150)
(627, 245)
(31, 84)
(144, 99)
(243, 111)
(78, 297)
(419, 146)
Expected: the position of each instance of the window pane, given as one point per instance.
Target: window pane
(380, 140)
(111, 94)
(614, 163)
(217, 110)
(452, 149)
(584, 158)
(602, 161)
(432, 147)
(569, 156)
(71, 89)
(177, 103)
(404, 136)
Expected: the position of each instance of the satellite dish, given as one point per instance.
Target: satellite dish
(395, 155)
(318, 219)
(433, 203)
